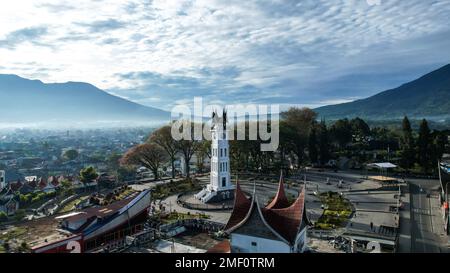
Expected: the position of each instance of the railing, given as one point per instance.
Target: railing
(198, 224)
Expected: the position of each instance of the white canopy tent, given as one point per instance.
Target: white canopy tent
(383, 167)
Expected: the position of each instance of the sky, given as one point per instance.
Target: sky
(163, 53)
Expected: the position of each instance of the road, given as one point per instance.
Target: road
(424, 223)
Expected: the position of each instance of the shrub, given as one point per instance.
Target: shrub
(3, 216)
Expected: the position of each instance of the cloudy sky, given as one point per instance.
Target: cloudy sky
(162, 53)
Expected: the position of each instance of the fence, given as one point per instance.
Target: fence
(197, 224)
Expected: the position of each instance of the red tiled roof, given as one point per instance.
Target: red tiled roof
(280, 200)
(53, 180)
(286, 221)
(32, 184)
(42, 183)
(16, 186)
(242, 205)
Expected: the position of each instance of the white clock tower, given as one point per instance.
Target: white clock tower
(220, 187)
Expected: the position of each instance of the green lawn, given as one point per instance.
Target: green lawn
(13, 233)
(175, 216)
(337, 211)
(165, 190)
(71, 205)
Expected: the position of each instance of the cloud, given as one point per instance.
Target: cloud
(103, 25)
(30, 34)
(289, 52)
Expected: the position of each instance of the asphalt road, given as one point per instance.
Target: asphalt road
(423, 230)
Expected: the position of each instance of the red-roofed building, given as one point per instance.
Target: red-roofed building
(279, 227)
(16, 186)
(42, 184)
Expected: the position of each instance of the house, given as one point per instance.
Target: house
(26, 189)
(42, 184)
(9, 202)
(51, 185)
(279, 227)
(16, 186)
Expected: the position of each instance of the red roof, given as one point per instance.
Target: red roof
(280, 200)
(53, 180)
(32, 183)
(16, 186)
(286, 220)
(42, 183)
(242, 205)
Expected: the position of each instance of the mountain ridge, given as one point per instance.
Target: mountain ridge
(26, 101)
(426, 97)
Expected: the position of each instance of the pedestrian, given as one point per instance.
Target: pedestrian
(371, 226)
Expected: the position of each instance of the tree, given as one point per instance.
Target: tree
(187, 147)
(360, 129)
(66, 188)
(203, 151)
(113, 161)
(126, 173)
(407, 145)
(440, 140)
(163, 137)
(3, 216)
(341, 132)
(149, 155)
(324, 147)
(424, 146)
(312, 146)
(71, 154)
(299, 121)
(88, 175)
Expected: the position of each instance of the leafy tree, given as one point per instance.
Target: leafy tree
(300, 121)
(3, 216)
(187, 147)
(71, 154)
(324, 147)
(163, 137)
(424, 146)
(440, 141)
(203, 151)
(66, 188)
(312, 146)
(360, 129)
(125, 173)
(341, 132)
(149, 155)
(113, 161)
(407, 145)
(88, 174)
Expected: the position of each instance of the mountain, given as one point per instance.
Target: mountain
(426, 97)
(32, 101)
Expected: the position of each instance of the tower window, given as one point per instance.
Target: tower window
(224, 181)
(254, 244)
(221, 152)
